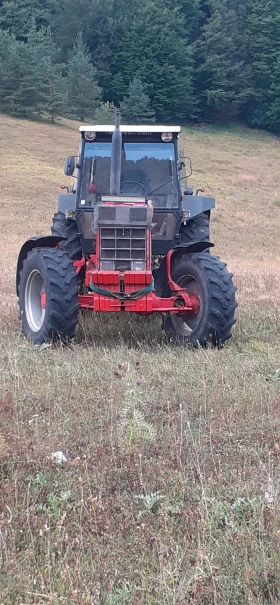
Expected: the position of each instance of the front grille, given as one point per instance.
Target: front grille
(123, 244)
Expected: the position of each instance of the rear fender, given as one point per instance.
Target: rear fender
(161, 285)
(49, 241)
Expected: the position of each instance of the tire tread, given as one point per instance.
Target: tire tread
(63, 310)
(222, 303)
(67, 228)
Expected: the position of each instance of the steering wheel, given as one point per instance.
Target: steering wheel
(134, 183)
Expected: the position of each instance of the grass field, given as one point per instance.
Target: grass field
(170, 491)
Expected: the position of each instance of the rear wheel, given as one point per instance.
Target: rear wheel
(209, 279)
(196, 230)
(48, 296)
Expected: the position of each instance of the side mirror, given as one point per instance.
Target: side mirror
(69, 166)
(182, 164)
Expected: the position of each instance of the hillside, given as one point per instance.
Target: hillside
(205, 438)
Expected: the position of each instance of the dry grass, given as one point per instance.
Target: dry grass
(170, 492)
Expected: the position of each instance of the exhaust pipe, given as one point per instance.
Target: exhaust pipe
(116, 157)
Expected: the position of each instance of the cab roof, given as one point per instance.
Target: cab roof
(129, 128)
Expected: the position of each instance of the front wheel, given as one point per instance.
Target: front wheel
(209, 279)
(48, 296)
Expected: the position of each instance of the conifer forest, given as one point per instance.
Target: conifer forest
(159, 60)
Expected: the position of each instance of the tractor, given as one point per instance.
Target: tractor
(127, 238)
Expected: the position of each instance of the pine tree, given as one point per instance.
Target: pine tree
(83, 91)
(16, 15)
(30, 83)
(40, 57)
(103, 24)
(223, 81)
(262, 29)
(13, 68)
(105, 113)
(72, 19)
(273, 112)
(52, 90)
(189, 11)
(39, 91)
(135, 107)
(56, 98)
(155, 48)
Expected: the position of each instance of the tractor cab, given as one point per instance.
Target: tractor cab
(134, 162)
(149, 168)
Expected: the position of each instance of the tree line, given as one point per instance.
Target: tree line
(164, 60)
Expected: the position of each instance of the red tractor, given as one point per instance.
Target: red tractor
(127, 239)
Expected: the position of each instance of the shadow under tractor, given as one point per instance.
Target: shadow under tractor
(127, 238)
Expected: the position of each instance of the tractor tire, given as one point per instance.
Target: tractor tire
(48, 296)
(63, 227)
(197, 230)
(209, 278)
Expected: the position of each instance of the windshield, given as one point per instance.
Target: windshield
(147, 169)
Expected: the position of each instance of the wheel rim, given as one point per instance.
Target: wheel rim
(183, 324)
(35, 301)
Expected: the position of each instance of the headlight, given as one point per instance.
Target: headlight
(90, 136)
(167, 137)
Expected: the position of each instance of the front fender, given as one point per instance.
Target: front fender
(161, 285)
(193, 247)
(48, 241)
